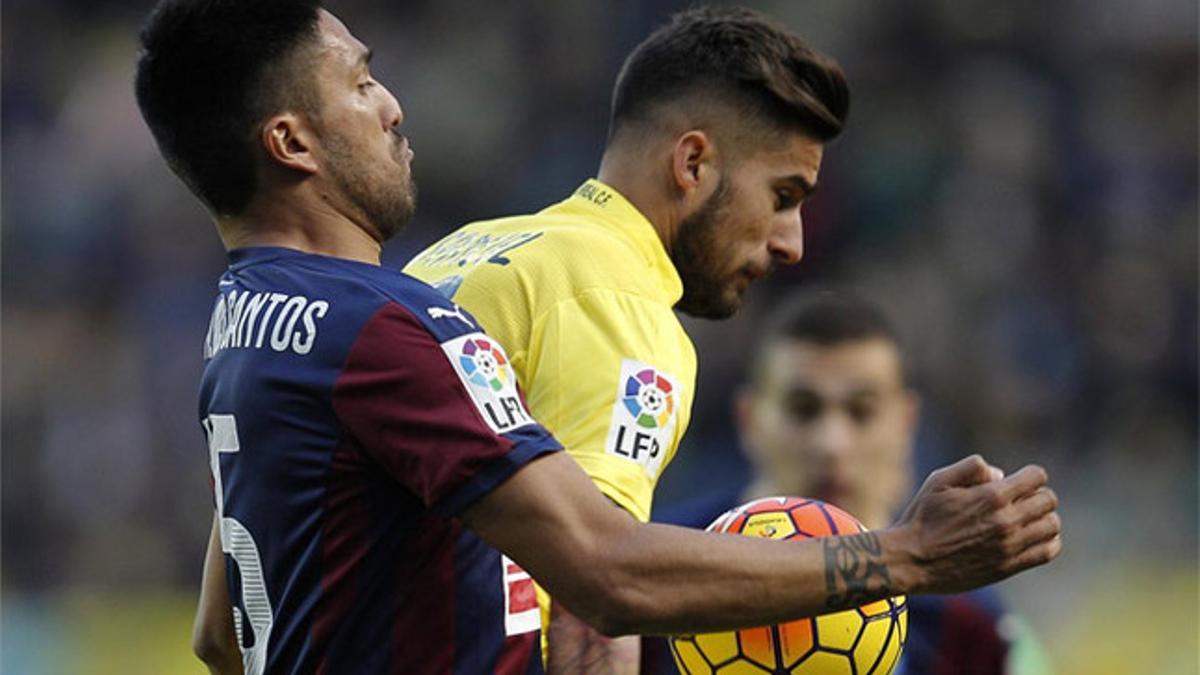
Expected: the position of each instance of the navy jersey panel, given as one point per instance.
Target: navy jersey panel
(352, 411)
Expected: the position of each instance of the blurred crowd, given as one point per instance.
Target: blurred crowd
(1017, 187)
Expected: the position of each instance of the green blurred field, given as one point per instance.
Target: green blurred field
(1133, 618)
(96, 633)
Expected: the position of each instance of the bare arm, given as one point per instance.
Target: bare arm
(576, 648)
(213, 637)
(621, 576)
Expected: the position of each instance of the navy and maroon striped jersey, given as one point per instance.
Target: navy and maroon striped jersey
(352, 412)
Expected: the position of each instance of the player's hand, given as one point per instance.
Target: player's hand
(969, 526)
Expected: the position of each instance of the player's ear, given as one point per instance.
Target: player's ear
(693, 168)
(288, 142)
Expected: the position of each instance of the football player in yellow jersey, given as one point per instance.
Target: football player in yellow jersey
(719, 122)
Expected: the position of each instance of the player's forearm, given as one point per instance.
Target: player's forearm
(964, 529)
(623, 577)
(224, 663)
(668, 580)
(575, 648)
(213, 637)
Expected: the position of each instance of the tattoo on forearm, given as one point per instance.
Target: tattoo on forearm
(854, 573)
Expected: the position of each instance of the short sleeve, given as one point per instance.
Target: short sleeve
(411, 403)
(612, 374)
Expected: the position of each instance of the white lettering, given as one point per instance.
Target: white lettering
(217, 329)
(238, 316)
(276, 298)
(236, 309)
(286, 322)
(304, 344)
(210, 345)
(239, 330)
(249, 317)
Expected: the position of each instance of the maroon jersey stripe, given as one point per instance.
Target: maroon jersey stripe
(345, 540)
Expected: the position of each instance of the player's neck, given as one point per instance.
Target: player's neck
(628, 176)
(308, 225)
(760, 487)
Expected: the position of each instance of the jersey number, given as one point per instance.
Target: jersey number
(238, 543)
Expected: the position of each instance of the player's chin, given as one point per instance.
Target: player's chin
(391, 221)
(734, 295)
(716, 307)
(732, 304)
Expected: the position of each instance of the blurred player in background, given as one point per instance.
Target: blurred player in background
(828, 413)
(369, 448)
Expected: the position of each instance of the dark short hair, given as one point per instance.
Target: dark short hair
(738, 56)
(825, 319)
(206, 77)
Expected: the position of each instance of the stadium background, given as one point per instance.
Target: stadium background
(1017, 185)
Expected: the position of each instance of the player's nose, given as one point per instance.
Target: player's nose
(393, 114)
(832, 436)
(786, 243)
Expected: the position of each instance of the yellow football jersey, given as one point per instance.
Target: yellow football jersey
(581, 295)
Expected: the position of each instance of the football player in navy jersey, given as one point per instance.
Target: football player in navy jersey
(828, 413)
(370, 451)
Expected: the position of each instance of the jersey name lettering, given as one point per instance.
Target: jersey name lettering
(467, 249)
(264, 320)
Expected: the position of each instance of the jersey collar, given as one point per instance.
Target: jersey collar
(253, 255)
(610, 207)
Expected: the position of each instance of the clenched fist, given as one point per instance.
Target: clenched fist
(970, 526)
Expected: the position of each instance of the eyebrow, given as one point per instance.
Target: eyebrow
(862, 392)
(802, 184)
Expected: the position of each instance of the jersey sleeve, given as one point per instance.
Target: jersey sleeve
(612, 373)
(403, 397)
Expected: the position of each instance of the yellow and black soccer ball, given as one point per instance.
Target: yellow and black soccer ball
(866, 640)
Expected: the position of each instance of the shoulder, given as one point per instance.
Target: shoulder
(585, 251)
(282, 300)
(366, 290)
(553, 253)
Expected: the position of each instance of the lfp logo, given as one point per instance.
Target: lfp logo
(484, 365)
(643, 416)
(487, 376)
(649, 399)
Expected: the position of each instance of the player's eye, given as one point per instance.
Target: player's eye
(786, 200)
(804, 408)
(862, 414)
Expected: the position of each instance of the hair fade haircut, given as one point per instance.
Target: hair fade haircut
(208, 73)
(739, 56)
